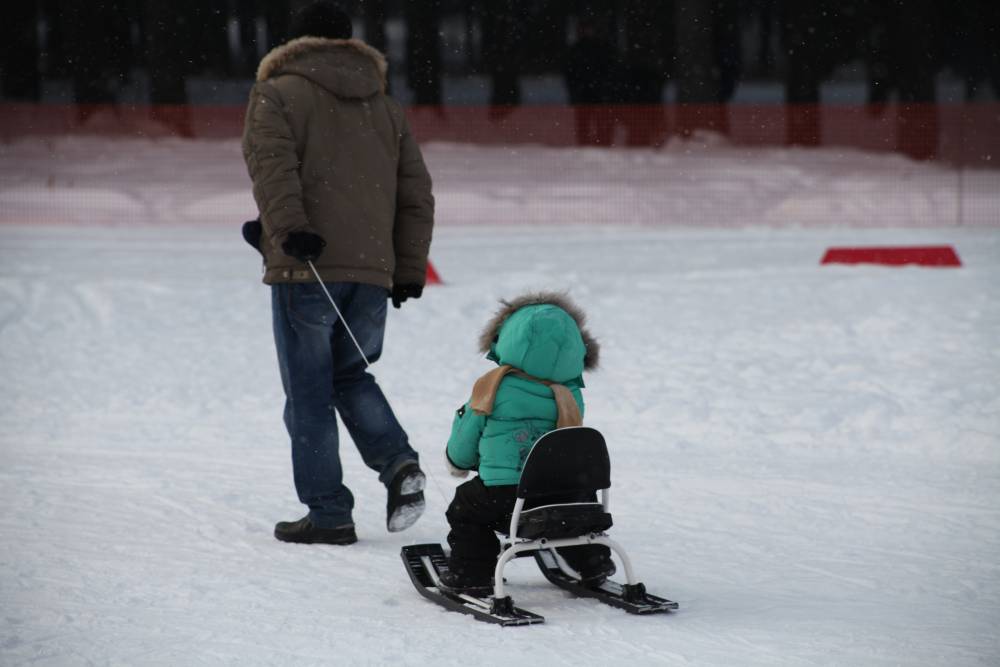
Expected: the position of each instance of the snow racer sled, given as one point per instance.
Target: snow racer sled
(566, 461)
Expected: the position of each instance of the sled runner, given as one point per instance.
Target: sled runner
(565, 462)
(423, 561)
(633, 599)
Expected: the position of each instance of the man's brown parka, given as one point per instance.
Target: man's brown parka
(330, 153)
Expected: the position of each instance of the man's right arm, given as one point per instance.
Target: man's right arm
(414, 222)
(273, 162)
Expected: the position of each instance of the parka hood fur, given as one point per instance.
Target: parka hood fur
(559, 299)
(343, 64)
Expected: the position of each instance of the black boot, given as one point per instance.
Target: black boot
(304, 532)
(592, 561)
(406, 498)
(596, 576)
(458, 584)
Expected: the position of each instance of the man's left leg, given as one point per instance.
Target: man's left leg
(302, 331)
(378, 435)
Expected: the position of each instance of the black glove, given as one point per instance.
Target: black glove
(252, 231)
(303, 246)
(401, 293)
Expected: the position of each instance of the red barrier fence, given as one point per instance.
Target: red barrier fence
(967, 134)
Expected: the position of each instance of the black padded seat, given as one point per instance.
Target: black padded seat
(564, 520)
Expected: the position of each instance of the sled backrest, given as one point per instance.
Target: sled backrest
(564, 462)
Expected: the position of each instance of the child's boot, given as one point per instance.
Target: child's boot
(458, 583)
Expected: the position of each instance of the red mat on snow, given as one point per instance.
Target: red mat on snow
(942, 255)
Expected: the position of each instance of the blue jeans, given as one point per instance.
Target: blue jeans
(323, 375)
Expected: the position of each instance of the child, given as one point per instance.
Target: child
(542, 349)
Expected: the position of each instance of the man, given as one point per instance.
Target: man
(341, 187)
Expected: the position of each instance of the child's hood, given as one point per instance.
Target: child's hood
(542, 334)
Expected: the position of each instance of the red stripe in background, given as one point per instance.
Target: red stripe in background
(894, 256)
(958, 133)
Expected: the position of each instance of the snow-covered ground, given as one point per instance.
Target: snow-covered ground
(806, 457)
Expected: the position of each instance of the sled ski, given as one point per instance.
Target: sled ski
(423, 562)
(633, 599)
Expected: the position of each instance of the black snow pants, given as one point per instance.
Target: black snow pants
(478, 512)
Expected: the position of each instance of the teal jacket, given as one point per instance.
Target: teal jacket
(542, 335)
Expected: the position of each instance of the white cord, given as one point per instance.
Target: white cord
(332, 303)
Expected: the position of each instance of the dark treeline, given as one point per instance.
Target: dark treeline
(608, 51)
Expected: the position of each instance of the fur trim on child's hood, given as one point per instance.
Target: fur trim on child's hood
(559, 299)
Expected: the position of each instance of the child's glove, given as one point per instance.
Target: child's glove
(454, 470)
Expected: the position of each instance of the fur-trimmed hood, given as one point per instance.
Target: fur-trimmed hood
(491, 332)
(345, 67)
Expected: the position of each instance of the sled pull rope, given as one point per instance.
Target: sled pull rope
(437, 486)
(337, 310)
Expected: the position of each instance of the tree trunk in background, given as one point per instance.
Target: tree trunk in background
(649, 51)
(92, 42)
(19, 72)
(248, 56)
(423, 50)
(501, 53)
(373, 18)
(374, 22)
(167, 29)
(799, 21)
(698, 75)
(207, 30)
(277, 17)
(917, 120)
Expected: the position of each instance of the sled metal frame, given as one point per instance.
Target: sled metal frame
(517, 546)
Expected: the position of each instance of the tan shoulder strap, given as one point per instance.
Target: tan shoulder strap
(569, 411)
(484, 393)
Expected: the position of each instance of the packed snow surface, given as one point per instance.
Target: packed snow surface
(805, 457)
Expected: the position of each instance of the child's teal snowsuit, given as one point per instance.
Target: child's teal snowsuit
(542, 337)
